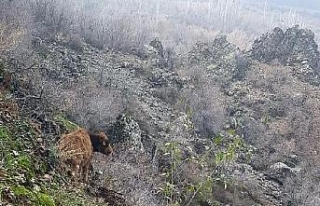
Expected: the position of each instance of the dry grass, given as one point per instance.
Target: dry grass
(9, 37)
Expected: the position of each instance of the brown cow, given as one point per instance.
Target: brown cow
(76, 149)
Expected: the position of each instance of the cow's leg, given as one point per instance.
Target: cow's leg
(86, 171)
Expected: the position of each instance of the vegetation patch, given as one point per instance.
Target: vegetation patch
(4, 133)
(28, 176)
(191, 177)
(64, 197)
(21, 194)
(67, 125)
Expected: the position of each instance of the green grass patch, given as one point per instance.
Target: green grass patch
(65, 197)
(45, 199)
(33, 198)
(4, 133)
(23, 169)
(64, 122)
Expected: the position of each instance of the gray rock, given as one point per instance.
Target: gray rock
(157, 45)
(280, 171)
(223, 61)
(125, 129)
(292, 46)
(155, 54)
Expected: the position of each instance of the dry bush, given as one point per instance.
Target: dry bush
(143, 180)
(94, 22)
(284, 114)
(286, 108)
(9, 37)
(93, 106)
(303, 188)
(208, 110)
(52, 17)
(15, 22)
(76, 44)
(84, 101)
(131, 173)
(168, 94)
(204, 102)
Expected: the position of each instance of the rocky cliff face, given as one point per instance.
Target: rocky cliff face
(293, 47)
(137, 101)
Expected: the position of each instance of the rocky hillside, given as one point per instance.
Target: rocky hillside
(216, 126)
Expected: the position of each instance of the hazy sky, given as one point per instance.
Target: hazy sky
(308, 4)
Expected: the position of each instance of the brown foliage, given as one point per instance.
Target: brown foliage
(9, 37)
(203, 101)
(9, 110)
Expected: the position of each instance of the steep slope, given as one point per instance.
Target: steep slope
(27, 174)
(182, 134)
(270, 95)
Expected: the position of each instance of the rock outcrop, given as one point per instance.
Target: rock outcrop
(125, 129)
(222, 59)
(294, 47)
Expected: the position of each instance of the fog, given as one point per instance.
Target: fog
(128, 25)
(306, 4)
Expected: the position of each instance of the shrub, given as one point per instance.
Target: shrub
(190, 178)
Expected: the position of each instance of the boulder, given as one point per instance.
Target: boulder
(223, 60)
(126, 130)
(155, 54)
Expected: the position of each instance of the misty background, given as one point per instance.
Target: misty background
(307, 4)
(127, 25)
